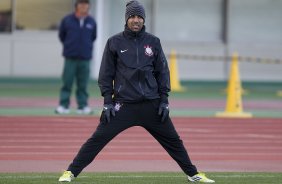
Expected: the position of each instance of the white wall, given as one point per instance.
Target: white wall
(38, 54)
(260, 69)
(6, 54)
(31, 54)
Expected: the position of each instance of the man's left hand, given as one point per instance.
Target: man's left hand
(163, 111)
(109, 111)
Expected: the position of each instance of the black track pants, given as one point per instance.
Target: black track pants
(144, 114)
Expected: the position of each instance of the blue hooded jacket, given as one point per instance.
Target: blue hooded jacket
(77, 40)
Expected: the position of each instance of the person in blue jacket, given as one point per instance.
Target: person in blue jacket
(77, 34)
(134, 81)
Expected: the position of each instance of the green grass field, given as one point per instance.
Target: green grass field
(142, 178)
(40, 88)
(49, 87)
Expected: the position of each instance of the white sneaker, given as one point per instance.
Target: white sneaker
(67, 176)
(86, 110)
(200, 177)
(62, 110)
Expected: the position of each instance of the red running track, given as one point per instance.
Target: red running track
(49, 144)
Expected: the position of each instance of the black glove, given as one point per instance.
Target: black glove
(109, 111)
(163, 111)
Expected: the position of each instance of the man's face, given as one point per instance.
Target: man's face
(82, 9)
(135, 23)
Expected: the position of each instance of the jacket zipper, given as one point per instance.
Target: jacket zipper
(80, 35)
(119, 88)
(137, 50)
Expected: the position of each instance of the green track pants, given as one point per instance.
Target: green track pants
(79, 71)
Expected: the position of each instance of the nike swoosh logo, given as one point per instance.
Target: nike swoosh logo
(122, 51)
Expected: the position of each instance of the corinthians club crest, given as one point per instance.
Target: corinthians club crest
(148, 50)
(118, 106)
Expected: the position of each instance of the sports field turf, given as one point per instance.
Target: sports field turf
(142, 178)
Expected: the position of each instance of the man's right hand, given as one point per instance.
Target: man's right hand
(109, 111)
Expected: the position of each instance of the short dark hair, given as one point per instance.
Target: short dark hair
(81, 1)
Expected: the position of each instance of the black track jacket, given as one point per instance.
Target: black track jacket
(133, 68)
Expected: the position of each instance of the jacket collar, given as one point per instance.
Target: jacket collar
(131, 34)
(75, 17)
